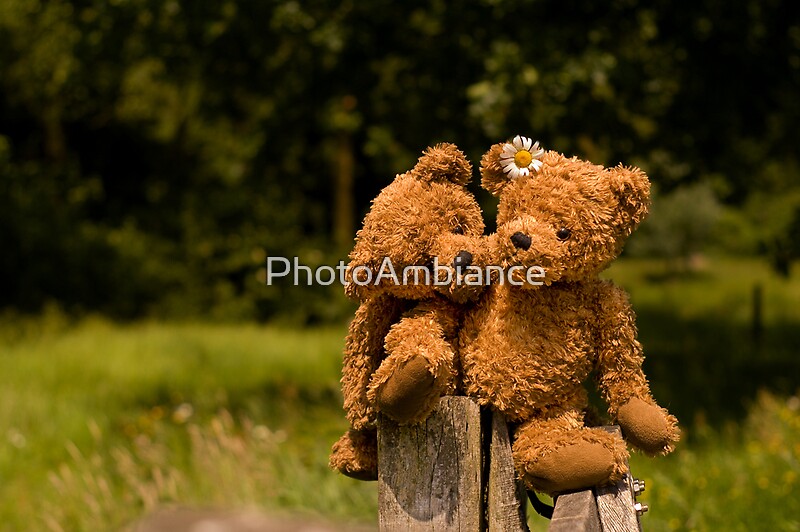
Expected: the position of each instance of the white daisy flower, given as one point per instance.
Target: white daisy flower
(520, 157)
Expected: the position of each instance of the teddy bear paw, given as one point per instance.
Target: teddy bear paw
(356, 455)
(410, 393)
(648, 427)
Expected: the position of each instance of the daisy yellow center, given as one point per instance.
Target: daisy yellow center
(523, 158)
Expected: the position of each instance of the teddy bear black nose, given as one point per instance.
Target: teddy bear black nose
(521, 240)
(462, 260)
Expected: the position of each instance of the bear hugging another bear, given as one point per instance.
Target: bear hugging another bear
(526, 348)
(400, 351)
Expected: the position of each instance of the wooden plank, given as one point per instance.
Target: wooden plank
(430, 478)
(615, 503)
(429, 475)
(575, 512)
(506, 497)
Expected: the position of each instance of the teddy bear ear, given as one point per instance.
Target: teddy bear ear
(443, 162)
(631, 187)
(493, 178)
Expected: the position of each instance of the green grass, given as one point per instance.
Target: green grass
(102, 423)
(741, 478)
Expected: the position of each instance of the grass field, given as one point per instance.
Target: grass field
(102, 423)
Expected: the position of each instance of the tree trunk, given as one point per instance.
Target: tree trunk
(343, 203)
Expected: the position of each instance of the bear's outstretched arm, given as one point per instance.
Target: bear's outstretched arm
(621, 380)
(364, 352)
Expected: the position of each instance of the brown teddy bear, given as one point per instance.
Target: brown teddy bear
(532, 340)
(399, 355)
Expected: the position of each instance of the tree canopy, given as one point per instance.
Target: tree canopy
(153, 153)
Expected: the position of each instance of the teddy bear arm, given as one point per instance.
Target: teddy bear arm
(645, 424)
(436, 316)
(618, 365)
(618, 355)
(363, 353)
(623, 384)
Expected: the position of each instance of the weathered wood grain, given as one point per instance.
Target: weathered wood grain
(429, 475)
(576, 512)
(615, 503)
(455, 472)
(506, 497)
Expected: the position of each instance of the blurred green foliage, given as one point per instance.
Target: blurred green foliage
(153, 153)
(102, 423)
(681, 226)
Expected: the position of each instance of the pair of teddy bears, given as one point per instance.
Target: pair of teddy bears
(520, 345)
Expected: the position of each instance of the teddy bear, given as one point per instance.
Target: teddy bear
(540, 331)
(399, 355)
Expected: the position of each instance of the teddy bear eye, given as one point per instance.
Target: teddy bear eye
(563, 234)
(458, 230)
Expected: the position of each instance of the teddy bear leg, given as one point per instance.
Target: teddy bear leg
(419, 368)
(559, 454)
(356, 454)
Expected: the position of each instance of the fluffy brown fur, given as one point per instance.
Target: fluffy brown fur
(400, 350)
(526, 350)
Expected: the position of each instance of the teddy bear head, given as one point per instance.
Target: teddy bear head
(424, 221)
(565, 215)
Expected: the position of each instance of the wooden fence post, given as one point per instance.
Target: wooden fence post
(616, 503)
(430, 475)
(576, 512)
(506, 498)
(455, 472)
